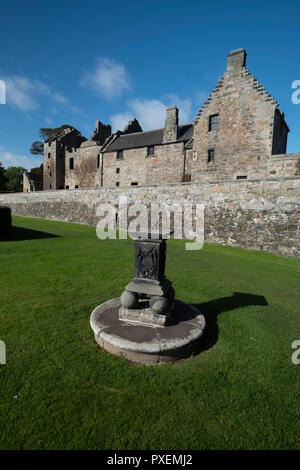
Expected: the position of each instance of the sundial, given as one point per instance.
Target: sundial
(146, 324)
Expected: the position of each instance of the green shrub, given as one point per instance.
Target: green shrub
(5, 223)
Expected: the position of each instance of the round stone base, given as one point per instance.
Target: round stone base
(147, 344)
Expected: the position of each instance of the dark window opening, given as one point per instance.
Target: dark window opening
(71, 163)
(98, 161)
(211, 155)
(134, 183)
(50, 174)
(213, 122)
(150, 151)
(49, 155)
(50, 186)
(241, 177)
(49, 143)
(67, 186)
(76, 186)
(118, 183)
(119, 154)
(118, 170)
(60, 187)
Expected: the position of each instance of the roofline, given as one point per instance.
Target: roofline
(152, 130)
(143, 146)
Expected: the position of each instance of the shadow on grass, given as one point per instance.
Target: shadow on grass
(19, 233)
(212, 309)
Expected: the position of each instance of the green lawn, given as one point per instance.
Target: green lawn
(59, 390)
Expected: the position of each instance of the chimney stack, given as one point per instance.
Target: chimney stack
(171, 125)
(236, 60)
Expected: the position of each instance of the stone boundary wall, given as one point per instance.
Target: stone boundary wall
(253, 214)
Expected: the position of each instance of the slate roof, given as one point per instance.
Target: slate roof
(144, 139)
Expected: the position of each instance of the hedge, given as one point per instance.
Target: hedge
(5, 223)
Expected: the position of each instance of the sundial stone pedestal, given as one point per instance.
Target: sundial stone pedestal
(149, 297)
(147, 325)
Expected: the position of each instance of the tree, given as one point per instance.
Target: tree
(37, 148)
(3, 178)
(48, 132)
(14, 175)
(37, 170)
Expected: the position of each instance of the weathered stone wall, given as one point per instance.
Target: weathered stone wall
(50, 152)
(165, 166)
(242, 143)
(284, 165)
(86, 172)
(257, 214)
(250, 127)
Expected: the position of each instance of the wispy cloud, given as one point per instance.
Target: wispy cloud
(24, 94)
(109, 78)
(21, 92)
(151, 114)
(12, 159)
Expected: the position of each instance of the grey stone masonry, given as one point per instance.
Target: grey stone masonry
(259, 214)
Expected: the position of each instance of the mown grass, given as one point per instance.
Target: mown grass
(59, 390)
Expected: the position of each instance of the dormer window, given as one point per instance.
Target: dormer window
(119, 154)
(213, 124)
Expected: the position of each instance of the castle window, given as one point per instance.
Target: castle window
(50, 174)
(98, 160)
(117, 170)
(119, 154)
(150, 150)
(67, 186)
(118, 183)
(71, 163)
(50, 186)
(213, 122)
(49, 155)
(211, 155)
(242, 177)
(134, 183)
(76, 186)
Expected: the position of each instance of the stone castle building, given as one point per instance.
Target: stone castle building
(239, 133)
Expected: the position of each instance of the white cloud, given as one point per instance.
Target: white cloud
(23, 93)
(12, 159)
(20, 93)
(151, 114)
(109, 78)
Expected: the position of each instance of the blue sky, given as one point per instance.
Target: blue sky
(73, 62)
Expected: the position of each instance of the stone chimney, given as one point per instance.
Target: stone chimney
(236, 60)
(171, 125)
